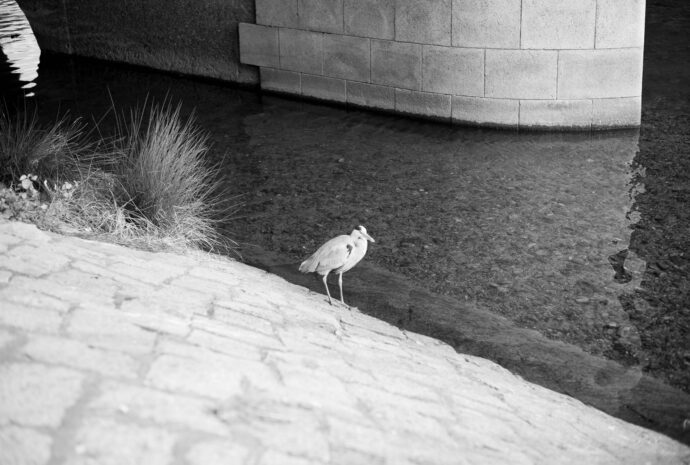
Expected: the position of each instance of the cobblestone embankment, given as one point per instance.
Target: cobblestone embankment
(111, 355)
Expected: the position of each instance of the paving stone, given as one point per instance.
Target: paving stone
(620, 23)
(448, 70)
(218, 452)
(15, 260)
(108, 330)
(600, 73)
(231, 347)
(222, 272)
(248, 310)
(29, 292)
(208, 374)
(68, 288)
(272, 457)
(521, 74)
(22, 446)
(486, 111)
(321, 15)
(95, 269)
(5, 276)
(8, 239)
(346, 57)
(37, 395)
(233, 314)
(301, 51)
(323, 88)
(145, 271)
(29, 318)
(23, 232)
(259, 45)
(558, 24)
(280, 81)
(257, 338)
(486, 23)
(61, 351)
(167, 299)
(281, 427)
(370, 18)
(423, 21)
(164, 408)
(6, 338)
(277, 13)
(396, 64)
(106, 442)
(370, 95)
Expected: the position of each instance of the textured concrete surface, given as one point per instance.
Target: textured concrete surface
(112, 355)
(166, 35)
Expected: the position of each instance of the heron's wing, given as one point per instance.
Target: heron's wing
(330, 256)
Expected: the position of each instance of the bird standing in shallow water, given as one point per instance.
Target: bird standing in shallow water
(338, 256)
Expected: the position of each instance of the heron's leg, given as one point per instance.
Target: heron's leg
(340, 283)
(325, 283)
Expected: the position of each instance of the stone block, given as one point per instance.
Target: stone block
(218, 451)
(600, 73)
(24, 446)
(54, 350)
(526, 74)
(277, 13)
(620, 23)
(486, 111)
(455, 71)
(32, 394)
(259, 45)
(422, 103)
(108, 330)
(556, 114)
(370, 95)
(558, 24)
(616, 112)
(208, 374)
(19, 315)
(346, 57)
(396, 64)
(162, 408)
(321, 15)
(370, 18)
(301, 51)
(486, 23)
(423, 21)
(323, 88)
(280, 81)
(106, 441)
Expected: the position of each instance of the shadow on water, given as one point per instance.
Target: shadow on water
(562, 256)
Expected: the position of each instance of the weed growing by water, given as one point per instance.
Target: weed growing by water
(149, 185)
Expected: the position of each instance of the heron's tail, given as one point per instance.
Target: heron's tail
(309, 265)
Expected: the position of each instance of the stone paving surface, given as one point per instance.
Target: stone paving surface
(110, 355)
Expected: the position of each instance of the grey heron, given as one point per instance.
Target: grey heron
(338, 255)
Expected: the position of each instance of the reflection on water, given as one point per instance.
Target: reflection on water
(19, 52)
(583, 237)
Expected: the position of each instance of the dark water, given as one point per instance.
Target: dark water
(582, 236)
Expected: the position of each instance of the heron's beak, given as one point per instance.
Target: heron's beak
(368, 237)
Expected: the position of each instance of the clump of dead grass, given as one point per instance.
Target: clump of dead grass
(148, 185)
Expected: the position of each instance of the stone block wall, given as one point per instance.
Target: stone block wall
(513, 63)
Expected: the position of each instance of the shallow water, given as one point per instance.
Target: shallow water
(582, 236)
